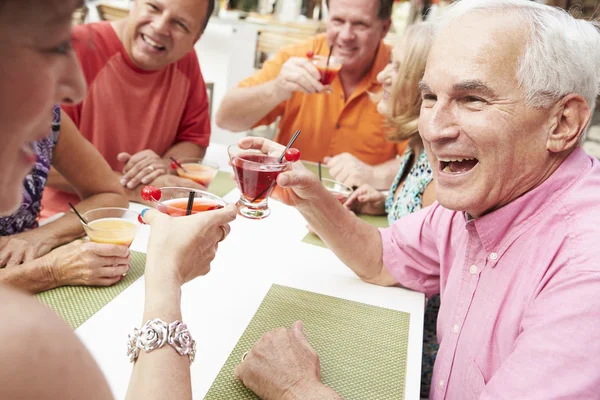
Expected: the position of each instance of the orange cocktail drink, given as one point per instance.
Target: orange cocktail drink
(111, 225)
(196, 169)
(174, 200)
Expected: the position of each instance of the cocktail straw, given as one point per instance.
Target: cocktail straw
(190, 204)
(328, 57)
(178, 164)
(77, 212)
(279, 160)
(320, 177)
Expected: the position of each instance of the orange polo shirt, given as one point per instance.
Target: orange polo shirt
(330, 124)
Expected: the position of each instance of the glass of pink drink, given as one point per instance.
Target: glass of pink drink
(256, 175)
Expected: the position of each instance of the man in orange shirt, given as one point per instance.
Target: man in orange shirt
(343, 123)
(146, 97)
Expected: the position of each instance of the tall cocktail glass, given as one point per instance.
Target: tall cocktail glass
(256, 175)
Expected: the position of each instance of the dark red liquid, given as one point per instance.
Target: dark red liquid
(257, 180)
(327, 75)
(178, 207)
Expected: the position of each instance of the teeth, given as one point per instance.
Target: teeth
(152, 42)
(455, 159)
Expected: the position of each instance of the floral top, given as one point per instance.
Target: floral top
(410, 198)
(25, 217)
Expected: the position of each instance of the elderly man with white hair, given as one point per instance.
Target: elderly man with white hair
(512, 244)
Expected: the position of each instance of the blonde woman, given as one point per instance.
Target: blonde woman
(412, 189)
(400, 101)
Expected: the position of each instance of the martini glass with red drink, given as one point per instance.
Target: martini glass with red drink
(256, 175)
(174, 200)
(328, 72)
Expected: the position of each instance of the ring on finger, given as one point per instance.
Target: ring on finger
(150, 167)
(224, 233)
(244, 356)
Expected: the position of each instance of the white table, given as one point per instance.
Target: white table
(255, 255)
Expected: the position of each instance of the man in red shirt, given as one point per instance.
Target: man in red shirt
(146, 97)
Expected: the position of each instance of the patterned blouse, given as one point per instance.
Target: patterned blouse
(25, 217)
(410, 198)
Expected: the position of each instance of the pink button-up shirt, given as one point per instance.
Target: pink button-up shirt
(520, 287)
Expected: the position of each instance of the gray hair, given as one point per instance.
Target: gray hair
(561, 57)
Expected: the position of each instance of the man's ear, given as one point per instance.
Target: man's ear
(572, 116)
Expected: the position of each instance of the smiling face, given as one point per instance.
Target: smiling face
(355, 31)
(161, 32)
(39, 70)
(486, 146)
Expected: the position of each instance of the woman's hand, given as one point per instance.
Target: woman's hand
(23, 247)
(366, 200)
(87, 263)
(182, 248)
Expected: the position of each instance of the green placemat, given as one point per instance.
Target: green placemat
(362, 348)
(76, 304)
(222, 184)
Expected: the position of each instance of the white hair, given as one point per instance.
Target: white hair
(562, 55)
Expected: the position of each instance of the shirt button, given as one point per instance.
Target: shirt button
(455, 328)
(442, 383)
(493, 256)
(337, 126)
(473, 269)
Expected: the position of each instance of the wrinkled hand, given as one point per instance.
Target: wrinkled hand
(23, 247)
(295, 187)
(298, 75)
(280, 363)
(182, 248)
(87, 263)
(349, 170)
(141, 168)
(366, 200)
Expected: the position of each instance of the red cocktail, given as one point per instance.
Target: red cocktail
(327, 72)
(256, 174)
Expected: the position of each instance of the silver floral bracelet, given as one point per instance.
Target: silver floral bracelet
(155, 333)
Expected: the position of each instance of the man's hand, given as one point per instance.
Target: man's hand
(349, 170)
(298, 75)
(23, 247)
(87, 263)
(366, 200)
(141, 168)
(281, 365)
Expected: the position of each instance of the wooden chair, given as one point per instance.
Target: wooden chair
(111, 13)
(80, 15)
(276, 35)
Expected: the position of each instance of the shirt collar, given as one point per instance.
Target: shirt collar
(498, 229)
